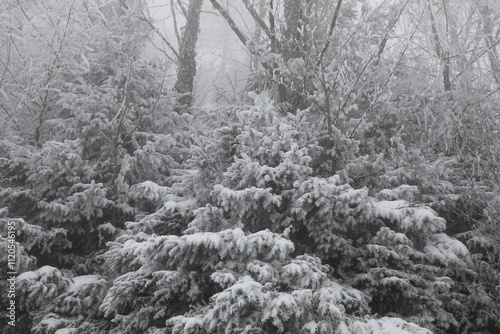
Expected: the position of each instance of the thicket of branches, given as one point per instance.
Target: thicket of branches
(351, 187)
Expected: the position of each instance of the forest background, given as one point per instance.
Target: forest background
(253, 166)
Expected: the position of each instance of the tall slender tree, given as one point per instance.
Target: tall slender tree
(186, 70)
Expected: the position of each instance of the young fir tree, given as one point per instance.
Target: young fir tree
(104, 140)
(378, 240)
(233, 273)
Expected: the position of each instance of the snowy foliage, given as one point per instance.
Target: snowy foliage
(324, 202)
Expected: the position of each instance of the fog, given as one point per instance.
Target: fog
(223, 63)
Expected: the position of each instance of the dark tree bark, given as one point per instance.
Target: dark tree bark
(330, 32)
(293, 11)
(186, 71)
(225, 14)
(444, 56)
(489, 37)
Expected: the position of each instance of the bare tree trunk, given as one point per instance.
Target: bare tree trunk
(291, 36)
(330, 32)
(490, 42)
(186, 71)
(444, 56)
(259, 27)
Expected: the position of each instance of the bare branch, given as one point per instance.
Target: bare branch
(257, 18)
(157, 31)
(330, 32)
(272, 29)
(183, 9)
(174, 16)
(230, 21)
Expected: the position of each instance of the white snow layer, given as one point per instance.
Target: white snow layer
(445, 248)
(80, 281)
